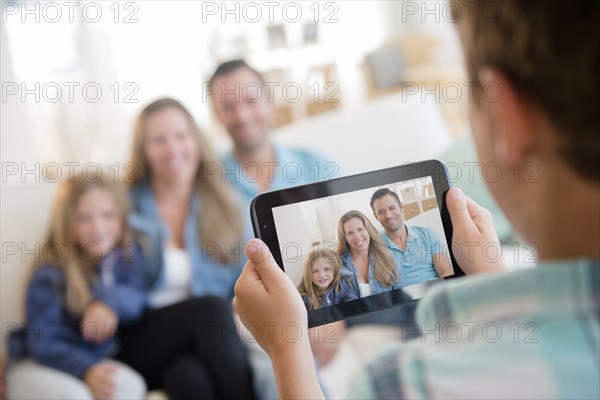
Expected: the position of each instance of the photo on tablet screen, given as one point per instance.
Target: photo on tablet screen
(352, 245)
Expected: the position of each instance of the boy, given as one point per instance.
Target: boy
(532, 333)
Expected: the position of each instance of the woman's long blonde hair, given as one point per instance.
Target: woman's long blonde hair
(62, 247)
(307, 286)
(384, 265)
(220, 221)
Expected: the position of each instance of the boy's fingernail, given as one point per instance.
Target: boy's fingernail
(254, 247)
(456, 194)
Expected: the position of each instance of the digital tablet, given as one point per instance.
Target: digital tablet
(361, 243)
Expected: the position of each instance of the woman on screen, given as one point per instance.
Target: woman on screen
(364, 256)
(321, 284)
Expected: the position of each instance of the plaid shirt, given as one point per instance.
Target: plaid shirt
(532, 333)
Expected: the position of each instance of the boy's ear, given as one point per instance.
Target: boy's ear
(513, 115)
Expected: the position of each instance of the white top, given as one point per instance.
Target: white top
(365, 289)
(177, 277)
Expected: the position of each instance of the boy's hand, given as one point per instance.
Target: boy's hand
(99, 322)
(271, 308)
(99, 379)
(474, 239)
(268, 303)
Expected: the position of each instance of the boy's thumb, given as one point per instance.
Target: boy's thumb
(457, 208)
(261, 258)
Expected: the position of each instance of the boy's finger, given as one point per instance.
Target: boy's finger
(456, 201)
(478, 213)
(261, 259)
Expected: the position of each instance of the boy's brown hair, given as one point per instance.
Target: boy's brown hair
(550, 51)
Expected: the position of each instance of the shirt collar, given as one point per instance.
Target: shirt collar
(388, 242)
(251, 189)
(147, 201)
(148, 208)
(346, 258)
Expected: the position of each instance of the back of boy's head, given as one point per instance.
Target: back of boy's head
(550, 51)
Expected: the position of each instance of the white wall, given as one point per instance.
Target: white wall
(25, 214)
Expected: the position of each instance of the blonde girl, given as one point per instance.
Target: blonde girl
(321, 284)
(88, 281)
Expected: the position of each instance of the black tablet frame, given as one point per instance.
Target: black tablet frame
(264, 225)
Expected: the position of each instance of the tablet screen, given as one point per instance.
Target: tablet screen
(348, 246)
(361, 243)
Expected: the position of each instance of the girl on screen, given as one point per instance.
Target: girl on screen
(322, 285)
(365, 258)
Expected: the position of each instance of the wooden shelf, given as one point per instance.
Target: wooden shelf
(417, 197)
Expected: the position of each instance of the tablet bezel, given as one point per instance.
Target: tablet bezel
(264, 224)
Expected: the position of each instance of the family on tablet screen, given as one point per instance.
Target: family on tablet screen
(368, 263)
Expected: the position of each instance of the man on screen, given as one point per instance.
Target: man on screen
(418, 251)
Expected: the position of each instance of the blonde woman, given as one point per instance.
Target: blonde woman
(364, 255)
(190, 230)
(89, 281)
(322, 284)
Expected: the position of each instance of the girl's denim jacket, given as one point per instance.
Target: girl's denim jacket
(349, 269)
(52, 336)
(337, 294)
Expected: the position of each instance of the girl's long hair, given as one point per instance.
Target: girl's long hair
(307, 286)
(220, 221)
(62, 247)
(384, 265)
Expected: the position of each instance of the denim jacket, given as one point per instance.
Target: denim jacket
(52, 335)
(209, 277)
(348, 268)
(335, 295)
